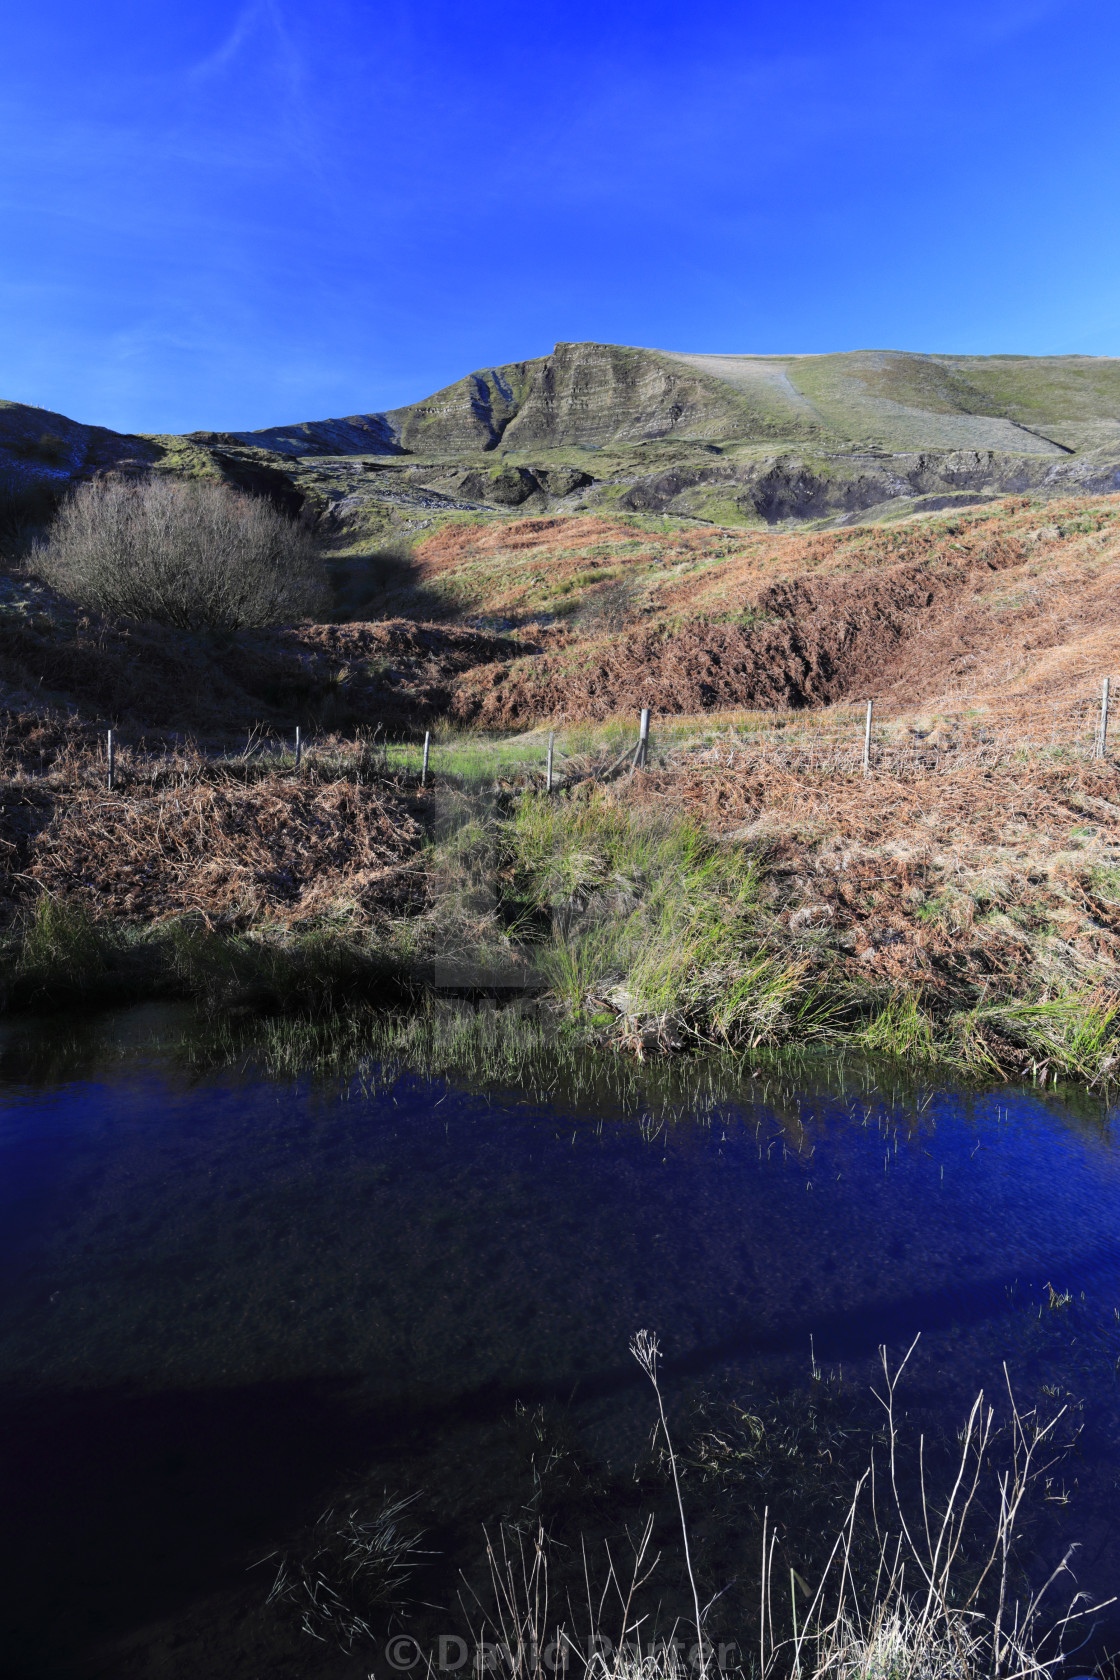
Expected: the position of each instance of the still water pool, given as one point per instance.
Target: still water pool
(222, 1295)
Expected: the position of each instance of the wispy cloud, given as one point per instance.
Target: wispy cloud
(223, 56)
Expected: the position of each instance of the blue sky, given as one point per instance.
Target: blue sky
(226, 216)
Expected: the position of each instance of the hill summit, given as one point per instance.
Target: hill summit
(723, 439)
(588, 396)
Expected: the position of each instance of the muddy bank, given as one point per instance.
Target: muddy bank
(58, 663)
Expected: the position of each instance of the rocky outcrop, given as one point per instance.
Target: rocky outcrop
(41, 452)
(590, 395)
(727, 439)
(511, 486)
(792, 488)
(581, 396)
(562, 481)
(467, 418)
(507, 486)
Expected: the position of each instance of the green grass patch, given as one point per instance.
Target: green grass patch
(651, 915)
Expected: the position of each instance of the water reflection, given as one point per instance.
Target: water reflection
(220, 1289)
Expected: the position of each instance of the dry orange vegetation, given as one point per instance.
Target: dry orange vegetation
(929, 877)
(957, 872)
(1000, 603)
(583, 617)
(219, 849)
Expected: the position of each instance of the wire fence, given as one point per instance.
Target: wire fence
(896, 739)
(843, 738)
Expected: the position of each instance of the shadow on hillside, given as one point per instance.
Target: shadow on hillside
(383, 584)
(25, 513)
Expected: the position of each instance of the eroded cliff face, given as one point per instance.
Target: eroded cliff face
(590, 395)
(792, 488)
(728, 440)
(738, 439)
(593, 396)
(467, 418)
(582, 396)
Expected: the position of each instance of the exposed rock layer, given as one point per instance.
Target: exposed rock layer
(726, 439)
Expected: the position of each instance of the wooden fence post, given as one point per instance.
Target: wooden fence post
(424, 766)
(112, 759)
(548, 767)
(1102, 736)
(643, 737)
(299, 748)
(867, 738)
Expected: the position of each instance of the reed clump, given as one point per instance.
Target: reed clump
(925, 1572)
(662, 933)
(59, 953)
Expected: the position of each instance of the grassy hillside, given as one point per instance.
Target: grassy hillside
(592, 395)
(1016, 601)
(511, 623)
(751, 887)
(725, 440)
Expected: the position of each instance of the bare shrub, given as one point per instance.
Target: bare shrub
(193, 554)
(612, 606)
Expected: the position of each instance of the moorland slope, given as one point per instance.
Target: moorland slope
(516, 623)
(723, 439)
(556, 544)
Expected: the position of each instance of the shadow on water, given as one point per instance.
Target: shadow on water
(227, 1296)
(121, 1507)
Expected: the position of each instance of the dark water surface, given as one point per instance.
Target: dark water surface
(221, 1295)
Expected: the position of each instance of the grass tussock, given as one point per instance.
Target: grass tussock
(313, 973)
(949, 1594)
(651, 919)
(349, 1568)
(660, 937)
(58, 953)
